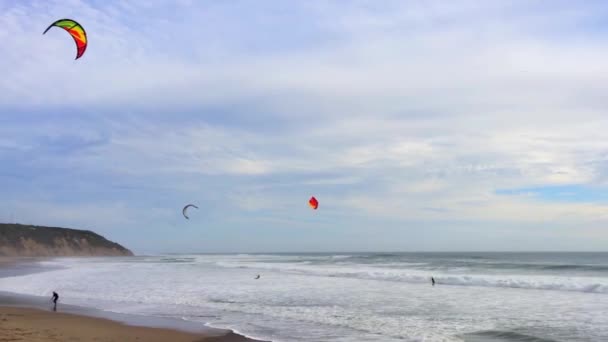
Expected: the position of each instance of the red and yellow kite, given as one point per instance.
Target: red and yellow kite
(313, 203)
(76, 31)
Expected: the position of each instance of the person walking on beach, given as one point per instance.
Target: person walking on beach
(433, 281)
(55, 299)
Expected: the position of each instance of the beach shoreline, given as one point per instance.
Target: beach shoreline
(33, 325)
(30, 318)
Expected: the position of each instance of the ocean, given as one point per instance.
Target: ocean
(346, 297)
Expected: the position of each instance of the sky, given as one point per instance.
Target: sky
(418, 125)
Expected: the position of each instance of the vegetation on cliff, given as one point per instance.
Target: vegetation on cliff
(26, 240)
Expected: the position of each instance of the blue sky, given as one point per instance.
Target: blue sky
(419, 125)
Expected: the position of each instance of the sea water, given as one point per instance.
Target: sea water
(349, 296)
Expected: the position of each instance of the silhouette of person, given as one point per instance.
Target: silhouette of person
(433, 281)
(55, 299)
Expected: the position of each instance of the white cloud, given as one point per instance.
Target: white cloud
(84, 215)
(407, 110)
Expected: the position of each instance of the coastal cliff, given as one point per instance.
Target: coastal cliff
(38, 241)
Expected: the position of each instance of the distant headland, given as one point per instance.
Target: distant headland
(17, 240)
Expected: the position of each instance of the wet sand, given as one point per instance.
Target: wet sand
(13, 261)
(30, 318)
(14, 266)
(33, 325)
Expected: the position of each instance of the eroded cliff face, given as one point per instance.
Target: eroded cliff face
(38, 241)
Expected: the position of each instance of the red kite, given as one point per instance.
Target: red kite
(313, 203)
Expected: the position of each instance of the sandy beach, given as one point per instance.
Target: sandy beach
(29, 318)
(33, 325)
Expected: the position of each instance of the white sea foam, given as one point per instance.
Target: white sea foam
(581, 284)
(312, 298)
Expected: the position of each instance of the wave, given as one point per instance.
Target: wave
(500, 336)
(433, 262)
(554, 283)
(177, 260)
(536, 266)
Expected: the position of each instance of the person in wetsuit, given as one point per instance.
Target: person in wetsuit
(55, 299)
(433, 281)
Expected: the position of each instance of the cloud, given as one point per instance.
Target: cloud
(378, 66)
(392, 111)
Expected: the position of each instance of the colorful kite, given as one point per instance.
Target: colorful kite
(313, 203)
(76, 31)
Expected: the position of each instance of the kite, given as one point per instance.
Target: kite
(76, 31)
(185, 208)
(313, 203)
